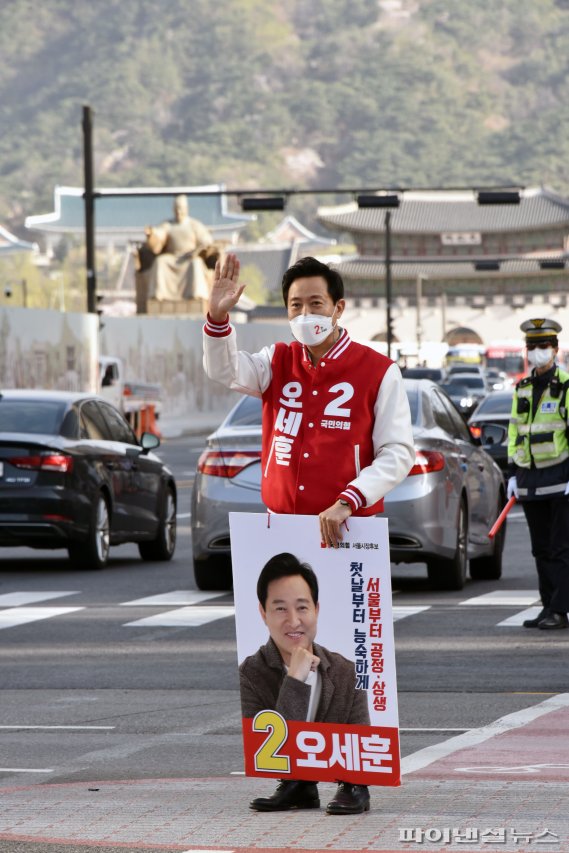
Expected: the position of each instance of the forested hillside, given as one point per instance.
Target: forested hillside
(297, 93)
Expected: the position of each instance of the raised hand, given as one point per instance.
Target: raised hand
(226, 289)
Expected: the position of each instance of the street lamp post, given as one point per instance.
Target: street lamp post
(89, 197)
(444, 314)
(419, 328)
(384, 200)
(388, 288)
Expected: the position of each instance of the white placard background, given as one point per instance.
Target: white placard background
(254, 542)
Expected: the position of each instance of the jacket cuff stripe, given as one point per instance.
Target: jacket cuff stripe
(354, 498)
(217, 330)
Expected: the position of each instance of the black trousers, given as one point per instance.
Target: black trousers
(548, 522)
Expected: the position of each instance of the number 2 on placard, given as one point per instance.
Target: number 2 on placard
(266, 757)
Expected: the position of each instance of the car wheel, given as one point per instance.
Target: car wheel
(163, 546)
(451, 574)
(489, 567)
(213, 573)
(94, 553)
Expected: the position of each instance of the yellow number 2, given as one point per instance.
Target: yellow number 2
(266, 758)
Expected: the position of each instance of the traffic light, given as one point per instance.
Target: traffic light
(99, 310)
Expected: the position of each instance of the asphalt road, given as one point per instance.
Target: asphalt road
(109, 685)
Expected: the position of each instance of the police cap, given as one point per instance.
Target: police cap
(541, 330)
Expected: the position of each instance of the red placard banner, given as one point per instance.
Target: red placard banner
(328, 752)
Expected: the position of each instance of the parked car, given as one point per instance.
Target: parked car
(493, 409)
(440, 514)
(74, 475)
(465, 390)
(126, 396)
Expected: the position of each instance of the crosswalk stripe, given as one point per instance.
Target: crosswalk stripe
(502, 597)
(15, 599)
(193, 607)
(21, 615)
(184, 617)
(401, 612)
(519, 618)
(176, 598)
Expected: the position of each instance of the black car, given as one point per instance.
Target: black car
(435, 374)
(74, 475)
(465, 390)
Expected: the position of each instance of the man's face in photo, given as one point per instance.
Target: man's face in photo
(290, 615)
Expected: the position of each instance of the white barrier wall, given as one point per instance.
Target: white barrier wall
(168, 351)
(48, 349)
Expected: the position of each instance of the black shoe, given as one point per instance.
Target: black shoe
(534, 623)
(288, 795)
(553, 621)
(349, 799)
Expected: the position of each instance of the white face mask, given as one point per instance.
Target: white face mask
(540, 357)
(312, 329)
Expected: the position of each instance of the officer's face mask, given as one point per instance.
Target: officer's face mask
(312, 329)
(540, 357)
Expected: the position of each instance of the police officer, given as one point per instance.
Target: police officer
(538, 451)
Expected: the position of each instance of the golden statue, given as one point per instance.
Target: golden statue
(176, 260)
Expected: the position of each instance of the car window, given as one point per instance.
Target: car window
(93, 424)
(455, 388)
(31, 416)
(459, 427)
(70, 425)
(413, 397)
(471, 381)
(118, 427)
(247, 413)
(440, 414)
(495, 406)
(431, 373)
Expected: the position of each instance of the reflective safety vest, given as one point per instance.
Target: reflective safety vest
(539, 438)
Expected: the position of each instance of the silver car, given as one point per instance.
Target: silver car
(439, 515)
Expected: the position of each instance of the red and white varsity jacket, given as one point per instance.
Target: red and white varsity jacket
(340, 428)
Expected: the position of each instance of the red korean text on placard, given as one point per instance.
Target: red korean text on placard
(327, 752)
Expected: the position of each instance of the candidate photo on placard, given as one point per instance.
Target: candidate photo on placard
(315, 649)
(319, 684)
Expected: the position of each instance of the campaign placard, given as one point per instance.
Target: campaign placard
(351, 730)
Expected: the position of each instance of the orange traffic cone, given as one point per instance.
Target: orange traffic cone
(150, 424)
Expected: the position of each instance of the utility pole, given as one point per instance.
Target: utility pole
(89, 198)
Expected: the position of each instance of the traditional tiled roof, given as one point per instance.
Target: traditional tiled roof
(274, 258)
(436, 212)
(271, 259)
(290, 229)
(10, 243)
(374, 268)
(124, 211)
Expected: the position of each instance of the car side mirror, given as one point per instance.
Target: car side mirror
(492, 434)
(149, 441)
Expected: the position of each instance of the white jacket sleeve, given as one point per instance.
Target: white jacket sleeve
(392, 440)
(241, 371)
